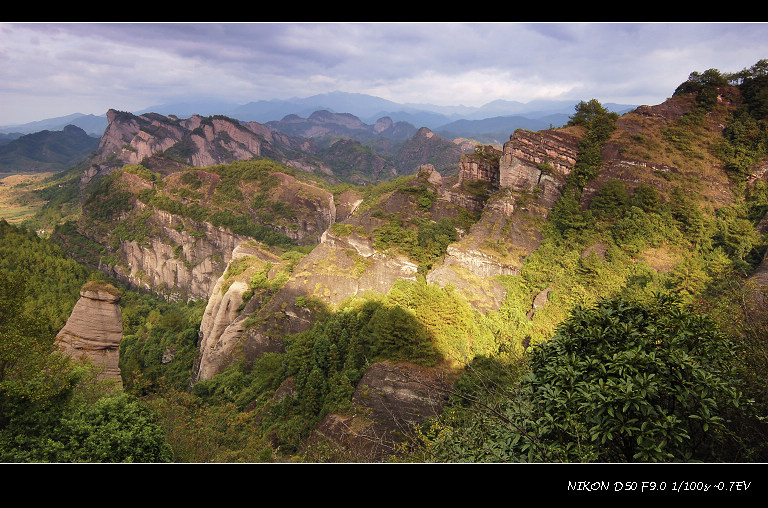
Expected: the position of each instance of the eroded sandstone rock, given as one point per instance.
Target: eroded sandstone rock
(94, 329)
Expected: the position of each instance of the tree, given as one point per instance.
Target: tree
(599, 123)
(610, 200)
(51, 409)
(588, 112)
(117, 428)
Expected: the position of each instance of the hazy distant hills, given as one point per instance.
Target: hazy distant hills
(46, 150)
(460, 121)
(93, 125)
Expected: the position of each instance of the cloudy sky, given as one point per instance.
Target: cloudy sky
(49, 70)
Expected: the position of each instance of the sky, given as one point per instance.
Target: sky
(55, 69)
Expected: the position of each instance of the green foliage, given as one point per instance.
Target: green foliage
(52, 280)
(118, 428)
(107, 199)
(599, 123)
(610, 200)
(425, 244)
(159, 345)
(45, 415)
(744, 143)
(621, 382)
(645, 197)
(635, 230)
(566, 218)
(395, 334)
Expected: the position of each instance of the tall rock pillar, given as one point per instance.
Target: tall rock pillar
(94, 330)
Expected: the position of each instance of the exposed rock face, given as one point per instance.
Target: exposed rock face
(482, 165)
(94, 330)
(221, 326)
(507, 232)
(529, 161)
(390, 399)
(176, 264)
(431, 175)
(538, 159)
(339, 267)
(181, 258)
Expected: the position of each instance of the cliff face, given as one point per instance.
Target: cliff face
(514, 190)
(181, 258)
(482, 165)
(228, 307)
(538, 160)
(94, 329)
(181, 262)
(391, 399)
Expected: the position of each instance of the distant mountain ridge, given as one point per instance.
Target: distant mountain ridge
(367, 108)
(93, 125)
(46, 150)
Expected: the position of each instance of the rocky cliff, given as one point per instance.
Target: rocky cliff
(181, 261)
(513, 190)
(344, 264)
(94, 329)
(341, 266)
(196, 141)
(539, 161)
(231, 301)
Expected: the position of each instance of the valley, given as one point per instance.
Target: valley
(18, 201)
(319, 289)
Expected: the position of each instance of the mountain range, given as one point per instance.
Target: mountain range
(497, 118)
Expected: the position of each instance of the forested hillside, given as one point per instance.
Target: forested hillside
(635, 331)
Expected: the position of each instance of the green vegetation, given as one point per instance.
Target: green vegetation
(599, 124)
(110, 199)
(425, 243)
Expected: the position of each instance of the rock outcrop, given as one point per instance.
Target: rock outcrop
(339, 267)
(222, 323)
(529, 160)
(481, 165)
(513, 191)
(538, 160)
(181, 258)
(94, 329)
(390, 399)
